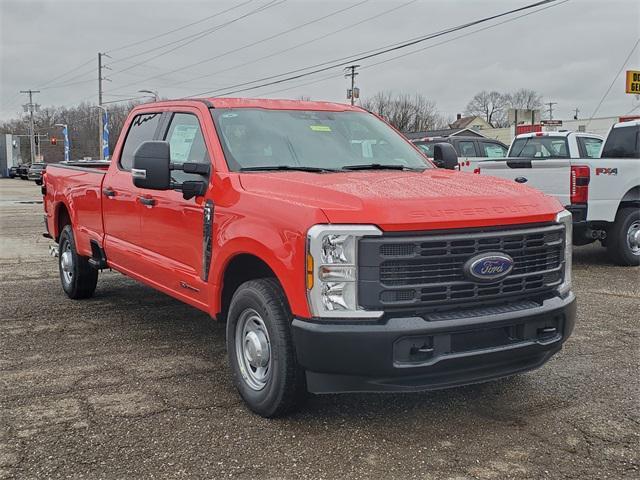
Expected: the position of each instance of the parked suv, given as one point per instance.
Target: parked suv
(470, 149)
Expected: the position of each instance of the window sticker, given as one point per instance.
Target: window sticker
(320, 128)
(181, 142)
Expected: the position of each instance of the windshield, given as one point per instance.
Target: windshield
(540, 147)
(260, 138)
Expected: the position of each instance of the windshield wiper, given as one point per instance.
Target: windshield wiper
(267, 168)
(376, 166)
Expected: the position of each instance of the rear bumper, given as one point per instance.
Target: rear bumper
(578, 213)
(412, 354)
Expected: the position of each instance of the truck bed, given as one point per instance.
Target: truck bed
(78, 190)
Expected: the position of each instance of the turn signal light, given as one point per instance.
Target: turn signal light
(309, 271)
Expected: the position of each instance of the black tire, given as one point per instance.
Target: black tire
(618, 247)
(81, 279)
(38, 182)
(284, 386)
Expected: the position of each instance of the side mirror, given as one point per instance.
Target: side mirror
(445, 156)
(152, 166)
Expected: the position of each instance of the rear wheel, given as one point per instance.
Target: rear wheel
(260, 349)
(623, 239)
(78, 278)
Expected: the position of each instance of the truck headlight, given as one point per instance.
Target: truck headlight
(332, 270)
(564, 217)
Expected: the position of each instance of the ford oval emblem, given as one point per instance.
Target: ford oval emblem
(488, 267)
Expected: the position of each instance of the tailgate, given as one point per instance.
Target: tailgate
(551, 176)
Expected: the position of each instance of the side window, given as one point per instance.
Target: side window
(493, 150)
(143, 128)
(467, 149)
(186, 144)
(591, 146)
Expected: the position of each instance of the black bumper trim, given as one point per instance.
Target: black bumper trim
(381, 357)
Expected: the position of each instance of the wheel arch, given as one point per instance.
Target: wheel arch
(631, 198)
(238, 269)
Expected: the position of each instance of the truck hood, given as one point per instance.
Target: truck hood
(402, 200)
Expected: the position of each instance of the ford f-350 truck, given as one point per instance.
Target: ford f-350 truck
(339, 257)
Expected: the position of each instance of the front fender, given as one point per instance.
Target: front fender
(282, 251)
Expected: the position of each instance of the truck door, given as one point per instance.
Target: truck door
(172, 227)
(120, 205)
(551, 175)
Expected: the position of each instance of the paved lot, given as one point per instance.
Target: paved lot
(133, 384)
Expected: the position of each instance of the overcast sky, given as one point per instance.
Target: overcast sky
(570, 53)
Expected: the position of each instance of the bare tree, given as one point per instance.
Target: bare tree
(82, 122)
(525, 99)
(492, 106)
(408, 113)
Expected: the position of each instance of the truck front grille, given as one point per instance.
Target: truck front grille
(423, 270)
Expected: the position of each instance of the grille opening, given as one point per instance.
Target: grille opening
(432, 272)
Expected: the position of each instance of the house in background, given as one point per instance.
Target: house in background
(472, 123)
(463, 126)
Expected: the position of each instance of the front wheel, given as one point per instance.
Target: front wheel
(623, 240)
(78, 278)
(260, 349)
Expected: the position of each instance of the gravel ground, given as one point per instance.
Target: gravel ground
(133, 384)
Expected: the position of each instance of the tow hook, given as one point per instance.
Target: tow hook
(53, 250)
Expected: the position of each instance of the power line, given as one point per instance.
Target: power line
(54, 79)
(298, 45)
(613, 81)
(248, 45)
(473, 32)
(194, 37)
(139, 42)
(342, 62)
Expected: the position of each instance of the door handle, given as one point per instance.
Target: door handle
(109, 192)
(521, 179)
(148, 201)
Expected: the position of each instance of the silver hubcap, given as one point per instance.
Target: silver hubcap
(633, 237)
(66, 263)
(253, 349)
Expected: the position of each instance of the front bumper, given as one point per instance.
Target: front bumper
(413, 354)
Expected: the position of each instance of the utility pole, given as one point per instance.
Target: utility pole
(101, 108)
(352, 93)
(30, 107)
(575, 113)
(550, 109)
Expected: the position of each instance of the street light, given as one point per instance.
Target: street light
(152, 92)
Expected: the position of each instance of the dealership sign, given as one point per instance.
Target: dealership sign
(633, 82)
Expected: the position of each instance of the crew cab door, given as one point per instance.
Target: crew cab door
(551, 176)
(172, 228)
(120, 205)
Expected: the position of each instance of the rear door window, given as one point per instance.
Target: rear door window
(143, 128)
(622, 142)
(590, 147)
(492, 150)
(467, 149)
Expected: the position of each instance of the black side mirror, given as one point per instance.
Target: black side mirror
(152, 166)
(445, 156)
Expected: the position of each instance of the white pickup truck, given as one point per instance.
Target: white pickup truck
(602, 191)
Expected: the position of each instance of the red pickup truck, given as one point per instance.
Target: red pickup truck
(339, 257)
